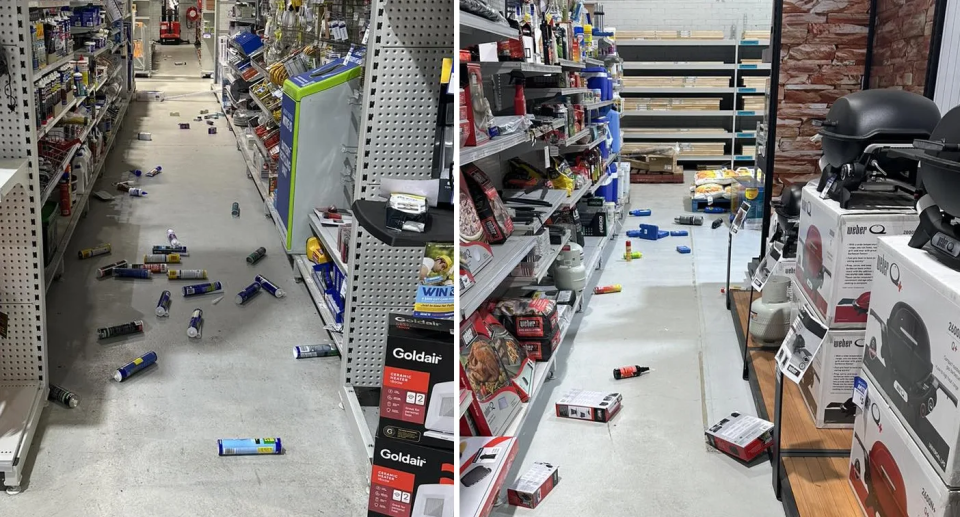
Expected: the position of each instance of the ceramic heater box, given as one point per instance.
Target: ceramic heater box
(409, 480)
(912, 354)
(835, 254)
(888, 473)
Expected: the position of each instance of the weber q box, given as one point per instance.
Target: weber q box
(484, 464)
(534, 485)
(418, 399)
(835, 254)
(888, 474)
(742, 436)
(408, 480)
(912, 355)
(597, 406)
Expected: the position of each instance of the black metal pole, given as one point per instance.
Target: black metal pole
(777, 420)
(871, 34)
(729, 264)
(746, 337)
(770, 149)
(936, 41)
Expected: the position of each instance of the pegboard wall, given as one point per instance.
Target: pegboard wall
(405, 50)
(23, 353)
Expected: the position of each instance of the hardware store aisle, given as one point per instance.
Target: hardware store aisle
(148, 446)
(651, 459)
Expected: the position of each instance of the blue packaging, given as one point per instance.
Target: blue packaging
(248, 42)
(641, 212)
(129, 272)
(662, 233)
(714, 210)
(249, 446)
(163, 305)
(196, 324)
(126, 371)
(683, 249)
(166, 250)
(197, 289)
(649, 232)
(679, 233)
(269, 286)
(248, 292)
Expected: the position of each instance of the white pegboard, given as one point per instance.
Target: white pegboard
(388, 275)
(365, 345)
(17, 263)
(415, 23)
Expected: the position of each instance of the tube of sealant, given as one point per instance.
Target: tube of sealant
(136, 172)
(159, 258)
(138, 192)
(304, 351)
(249, 446)
(196, 324)
(187, 274)
(196, 289)
(166, 250)
(163, 305)
(157, 170)
(153, 268)
(255, 257)
(248, 292)
(172, 237)
(269, 286)
(126, 371)
(67, 398)
(235, 209)
(108, 269)
(102, 249)
(129, 272)
(133, 327)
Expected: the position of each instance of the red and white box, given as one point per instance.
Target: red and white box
(742, 436)
(534, 485)
(595, 406)
(484, 464)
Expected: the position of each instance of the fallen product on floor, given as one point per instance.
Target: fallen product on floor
(163, 304)
(534, 485)
(626, 372)
(102, 249)
(204, 288)
(270, 287)
(608, 289)
(133, 367)
(187, 274)
(133, 327)
(248, 293)
(305, 351)
(742, 436)
(107, 270)
(249, 446)
(195, 328)
(596, 406)
(65, 397)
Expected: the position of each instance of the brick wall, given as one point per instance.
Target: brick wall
(823, 52)
(688, 14)
(902, 44)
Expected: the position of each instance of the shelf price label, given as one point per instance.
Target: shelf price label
(743, 113)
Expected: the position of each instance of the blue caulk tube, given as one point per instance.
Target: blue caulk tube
(304, 351)
(138, 192)
(269, 286)
(641, 212)
(196, 324)
(163, 306)
(249, 292)
(129, 272)
(165, 250)
(126, 371)
(195, 289)
(249, 446)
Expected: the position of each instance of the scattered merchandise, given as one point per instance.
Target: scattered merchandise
(195, 327)
(107, 270)
(134, 327)
(742, 436)
(607, 289)
(249, 446)
(103, 195)
(625, 372)
(679, 233)
(172, 237)
(683, 249)
(235, 209)
(484, 465)
(161, 258)
(211, 130)
(163, 304)
(186, 274)
(153, 268)
(596, 406)
(305, 351)
(102, 249)
(248, 292)
(174, 113)
(198, 289)
(67, 398)
(255, 257)
(166, 250)
(131, 272)
(642, 212)
(137, 365)
(410, 480)
(217, 300)
(633, 255)
(137, 192)
(716, 224)
(184, 125)
(145, 136)
(153, 172)
(135, 172)
(690, 220)
(534, 485)
(269, 286)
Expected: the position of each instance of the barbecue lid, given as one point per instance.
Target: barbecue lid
(940, 162)
(869, 114)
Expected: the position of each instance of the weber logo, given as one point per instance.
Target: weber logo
(529, 327)
(953, 329)
(843, 343)
(420, 357)
(805, 206)
(878, 229)
(929, 500)
(856, 230)
(882, 265)
(402, 458)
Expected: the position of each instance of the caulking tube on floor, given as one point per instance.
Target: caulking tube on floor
(131, 272)
(126, 371)
(196, 324)
(255, 257)
(138, 192)
(160, 258)
(172, 238)
(269, 286)
(108, 269)
(187, 274)
(197, 289)
(305, 351)
(153, 268)
(248, 292)
(156, 170)
(163, 305)
(249, 446)
(166, 250)
(133, 327)
(67, 398)
(102, 249)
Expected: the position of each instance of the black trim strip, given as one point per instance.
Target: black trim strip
(770, 149)
(933, 57)
(871, 34)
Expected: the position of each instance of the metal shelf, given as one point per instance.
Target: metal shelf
(12, 172)
(52, 184)
(574, 198)
(678, 66)
(497, 145)
(677, 90)
(544, 266)
(44, 4)
(577, 136)
(95, 53)
(579, 148)
(319, 301)
(598, 183)
(676, 113)
(328, 236)
(529, 69)
(37, 74)
(677, 43)
(590, 61)
(680, 135)
(541, 93)
(19, 415)
(252, 171)
(566, 64)
(749, 136)
(506, 256)
(475, 30)
(597, 105)
(553, 196)
(84, 30)
(610, 159)
(66, 109)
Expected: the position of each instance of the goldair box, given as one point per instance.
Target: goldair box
(408, 480)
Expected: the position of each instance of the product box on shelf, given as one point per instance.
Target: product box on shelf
(912, 355)
(494, 218)
(597, 406)
(593, 216)
(888, 474)
(742, 436)
(534, 485)
(825, 385)
(835, 252)
(496, 400)
(418, 401)
(484, 464)
(409, 480)
(478, 108)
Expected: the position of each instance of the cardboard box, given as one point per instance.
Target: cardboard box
(150, 95)
(742, 436)
(654, 163)
(477, 106)
(494, 217)
(541, 349)
(826, 385)
(597, 406)
(912, 355)
(484, 464)
(534, 485)
(407, 480)
(593, 216)
(496, 400)
(418, 399)
(888, 473)
(835, 254)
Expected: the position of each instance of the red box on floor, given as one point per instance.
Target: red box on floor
(534, 485)
(741, 436)
(597, 406)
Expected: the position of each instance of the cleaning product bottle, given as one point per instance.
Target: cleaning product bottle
(519, 98)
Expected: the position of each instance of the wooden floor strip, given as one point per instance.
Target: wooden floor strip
(820, 487)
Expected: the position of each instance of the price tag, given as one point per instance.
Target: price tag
(278, 93)
(740, 218)
(859, 392)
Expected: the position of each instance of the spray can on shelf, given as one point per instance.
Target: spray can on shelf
(160, 258)
(196, 324)
(269, 286)
(108, 269)
(172, 237)
(249, 446)
(134, 327)
(248, 292)
(137, 192)
(235, 209)
(102, 249)
(156, 170)
(153, 268)
(163, 305)
(126, 371)
(625, 372)
(255, 257)
(628, 252)
(607, 289)
(65, 397)
(305, 351)
(131, 272)
(187, 274)
(65, 201)
(197, 289)
(166, 250)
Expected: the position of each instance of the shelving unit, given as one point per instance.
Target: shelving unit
(711, 59)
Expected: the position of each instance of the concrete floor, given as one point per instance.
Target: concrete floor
(652, 458)
(150, 443)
